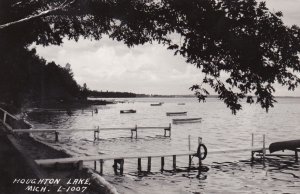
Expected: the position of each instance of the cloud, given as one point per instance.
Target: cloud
(111, 65)
(149, 68)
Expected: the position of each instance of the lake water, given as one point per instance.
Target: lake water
(220, 130)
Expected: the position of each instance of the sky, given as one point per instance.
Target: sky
(149, 69)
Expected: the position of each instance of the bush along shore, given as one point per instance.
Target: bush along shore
(20, 174)
(74, 104)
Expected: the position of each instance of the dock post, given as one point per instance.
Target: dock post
(200, 161)
(174, 163)
(252, 144)
(296, 155)
(167, 129)
(131, 133)
(139, 165)
(80, 165)
(92, 112)
(189, 138)
(190, 157)
(56, 136)
(264, 148)
(149, 165)
(95, 167)
(101, 167)
(190, 162)
(162, 164)
(121, 166)
(115, 167)
(135, 131)
(98, 135)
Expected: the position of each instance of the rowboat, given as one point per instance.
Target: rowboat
(188, 120)
(284, 145)
(176, 113)
(181, 103)
(157, 104)
(127, 111)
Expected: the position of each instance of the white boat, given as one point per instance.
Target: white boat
(176, 113)
(127, 111)
(188, 120)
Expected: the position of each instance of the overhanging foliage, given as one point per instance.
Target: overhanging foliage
(241, 38)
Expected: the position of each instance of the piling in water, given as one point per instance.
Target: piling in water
(139, 165)
(162, 164)
(149, 164)
(101, 167)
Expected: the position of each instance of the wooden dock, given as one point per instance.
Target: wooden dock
(200, 154)
(45, 162)
(120, 159)
(97, 131)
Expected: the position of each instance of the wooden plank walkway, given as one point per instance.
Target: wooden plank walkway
(256, 149)
(113, 157)
(76, 130)
(97, 130)
(106, 157)
(120, 159)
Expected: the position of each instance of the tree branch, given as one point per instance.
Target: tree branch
(41, 14)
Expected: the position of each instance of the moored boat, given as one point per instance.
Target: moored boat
(128, 111)
(284, 145)
(176, 113)
(181, 104)
(156, 104)
(188, 120)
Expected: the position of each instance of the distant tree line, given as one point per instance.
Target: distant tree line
(108, 94)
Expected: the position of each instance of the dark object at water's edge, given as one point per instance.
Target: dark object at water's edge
(284, 145)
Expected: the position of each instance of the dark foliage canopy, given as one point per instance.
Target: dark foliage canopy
(26, 78)
(242, 48)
